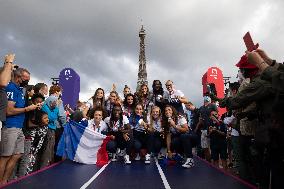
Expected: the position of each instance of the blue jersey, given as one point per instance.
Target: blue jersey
(15, 94)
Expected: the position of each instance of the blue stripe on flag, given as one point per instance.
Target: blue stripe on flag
(70, 139)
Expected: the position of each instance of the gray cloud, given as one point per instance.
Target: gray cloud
(99, 39)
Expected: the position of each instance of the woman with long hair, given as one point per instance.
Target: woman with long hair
(29, 93)
(99, 100)
(112, 100)
(128, 105)
(126, 91)
(143, 97)
(156, 130)
(140, 132)
(179, 139)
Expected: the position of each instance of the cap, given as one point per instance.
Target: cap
(243, 63)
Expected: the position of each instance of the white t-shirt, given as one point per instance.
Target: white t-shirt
(173, 100)
(228, 121)
(157, 125)
(181, 121)
(102, 126)
(173, 95)
(234, 132)
(116, 124)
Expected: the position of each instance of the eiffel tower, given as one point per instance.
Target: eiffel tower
(142, 72)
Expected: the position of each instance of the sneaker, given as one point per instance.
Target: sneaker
(109, 155)
(122, 153)
(137, 158)
(126, 159)
(188, 163)
(118, 151)
(147, 158)
(160, 155)
(114, 158)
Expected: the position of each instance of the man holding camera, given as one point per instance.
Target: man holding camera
(262, 93)
(266, 66)
(203, 125)
(217, 133)
(12, 144)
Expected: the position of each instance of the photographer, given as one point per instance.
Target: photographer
(218, 144)
(247, 119)
(267, 67)
(12, 144)
(276, 77)
(262, 93)
(203, 125)
(5, 77)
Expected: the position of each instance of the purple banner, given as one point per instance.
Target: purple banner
(69, 80)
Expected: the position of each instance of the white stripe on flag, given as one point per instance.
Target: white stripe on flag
(94, 177)
(88, 147)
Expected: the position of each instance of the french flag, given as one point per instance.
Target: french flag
(82, 144)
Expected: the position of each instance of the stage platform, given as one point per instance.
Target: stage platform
(116, 175)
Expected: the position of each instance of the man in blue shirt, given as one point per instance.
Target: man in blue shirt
(12, 143)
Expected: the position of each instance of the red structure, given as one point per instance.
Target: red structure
(214, 76)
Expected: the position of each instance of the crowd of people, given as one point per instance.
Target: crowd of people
(152, 123)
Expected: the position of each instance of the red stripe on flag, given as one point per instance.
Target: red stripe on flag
(102, 155)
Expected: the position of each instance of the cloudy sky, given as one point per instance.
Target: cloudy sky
(99, 38)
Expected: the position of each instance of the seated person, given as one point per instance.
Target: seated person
(96, 123)
(178, 138)
(118, 126)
